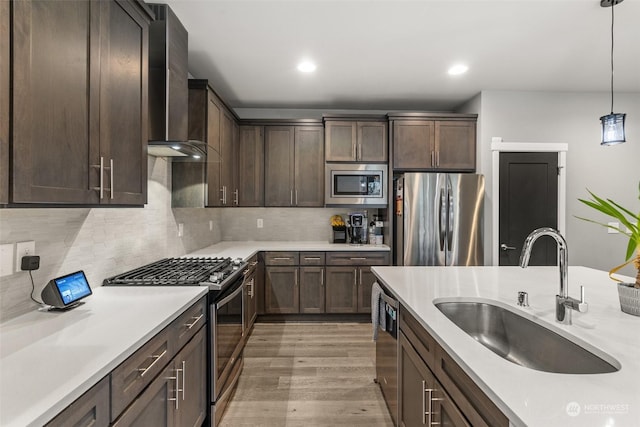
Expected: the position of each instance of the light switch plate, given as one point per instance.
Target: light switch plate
(6, 259)
(180, 230)
(260, 223)
(23, 249)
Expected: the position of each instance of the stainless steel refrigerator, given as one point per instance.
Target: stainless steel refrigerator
(439, 219)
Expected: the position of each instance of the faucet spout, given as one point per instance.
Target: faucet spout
(563, 260)
(564, 303)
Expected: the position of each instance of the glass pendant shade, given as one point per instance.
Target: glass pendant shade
(613, 128)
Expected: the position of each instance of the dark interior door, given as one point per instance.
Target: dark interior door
(528, 200)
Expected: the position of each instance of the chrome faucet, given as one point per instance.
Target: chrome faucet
(564, 303)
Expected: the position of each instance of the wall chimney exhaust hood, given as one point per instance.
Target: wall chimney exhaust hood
(169, 89)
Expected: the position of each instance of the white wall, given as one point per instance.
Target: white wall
(572, 118)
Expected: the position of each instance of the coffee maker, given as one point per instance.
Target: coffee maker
(357, 228)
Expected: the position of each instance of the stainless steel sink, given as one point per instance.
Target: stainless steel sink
(523, 341)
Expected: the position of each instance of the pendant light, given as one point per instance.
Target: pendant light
(613, 123)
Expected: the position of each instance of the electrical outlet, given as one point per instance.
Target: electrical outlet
(180, 230)
(260, 223)
(24, 249)
(611, 230)
(210, 225)
(6, 259)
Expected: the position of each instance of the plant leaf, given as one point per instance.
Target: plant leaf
(619, 230)
(631, 248)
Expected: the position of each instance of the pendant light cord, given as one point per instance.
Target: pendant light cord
(613, 3)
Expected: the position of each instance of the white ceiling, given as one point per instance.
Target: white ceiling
(394, 54)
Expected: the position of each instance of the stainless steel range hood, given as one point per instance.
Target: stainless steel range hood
(169, 89)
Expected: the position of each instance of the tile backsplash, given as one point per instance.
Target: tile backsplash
(101, 241)
(107, 241)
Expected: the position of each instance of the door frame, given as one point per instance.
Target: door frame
(497, 146)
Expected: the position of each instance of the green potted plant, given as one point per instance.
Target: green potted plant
(629, 293)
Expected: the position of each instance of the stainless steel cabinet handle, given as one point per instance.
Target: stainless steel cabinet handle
(196, 320)
(432, 412)
(111, 171)
(171, 399)
(184, 374)
(236, 197)
(308, 258)
(424, 403)
(282, 258)
(360, 277)
(322, 277)
(353, 150)
(290, 197)
(504, 247)
(101, 178)
(433, 158)
(357, 258)
(296, 197)
(143, 371)
(355, 277)
(360, 151)
(437, 159)
(222, 191)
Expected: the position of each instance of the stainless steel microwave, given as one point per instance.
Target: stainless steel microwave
(356, 184)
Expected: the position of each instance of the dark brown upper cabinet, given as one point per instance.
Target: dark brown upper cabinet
(355, 140)
(428, 142)
(80, 102)
(294, 166)
(251, 166)
(211, 183)
(4, 101)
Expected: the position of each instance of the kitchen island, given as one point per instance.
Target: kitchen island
(49, 359)
(526, 396)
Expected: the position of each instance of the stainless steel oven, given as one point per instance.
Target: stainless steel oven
(227, 337)
(356, 184)
(225, 279)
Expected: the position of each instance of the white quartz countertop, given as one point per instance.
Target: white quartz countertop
(247, 249)
(526, 396)
(49, 359)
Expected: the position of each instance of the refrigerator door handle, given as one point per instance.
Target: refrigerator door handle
(450, 216)
(442, 223)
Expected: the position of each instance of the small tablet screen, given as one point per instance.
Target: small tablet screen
(72, 287)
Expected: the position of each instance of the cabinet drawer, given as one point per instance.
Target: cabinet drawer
(358, 258)
(419, 338)
(281, 258)
(190, 322)
(473, 403)
(311, 258)
(90, 409)
(135, 373)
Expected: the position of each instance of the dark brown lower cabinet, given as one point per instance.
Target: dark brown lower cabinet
(433, 388)
(312, 298)
(342, 290)
(422, 399)
(177, 397)
(90, 409)
(156, 405)
(281, 290)
(365, 282)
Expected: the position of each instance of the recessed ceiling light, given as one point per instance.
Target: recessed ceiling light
(458, 69)
(306, 67)
(175, 147)
(196, 156)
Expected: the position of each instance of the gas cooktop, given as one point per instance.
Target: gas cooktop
(212, 272)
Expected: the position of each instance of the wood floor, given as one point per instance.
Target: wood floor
(308, 374)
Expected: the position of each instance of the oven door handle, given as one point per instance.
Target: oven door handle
(229, 298)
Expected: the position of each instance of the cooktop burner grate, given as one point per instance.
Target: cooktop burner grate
(172, 272)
